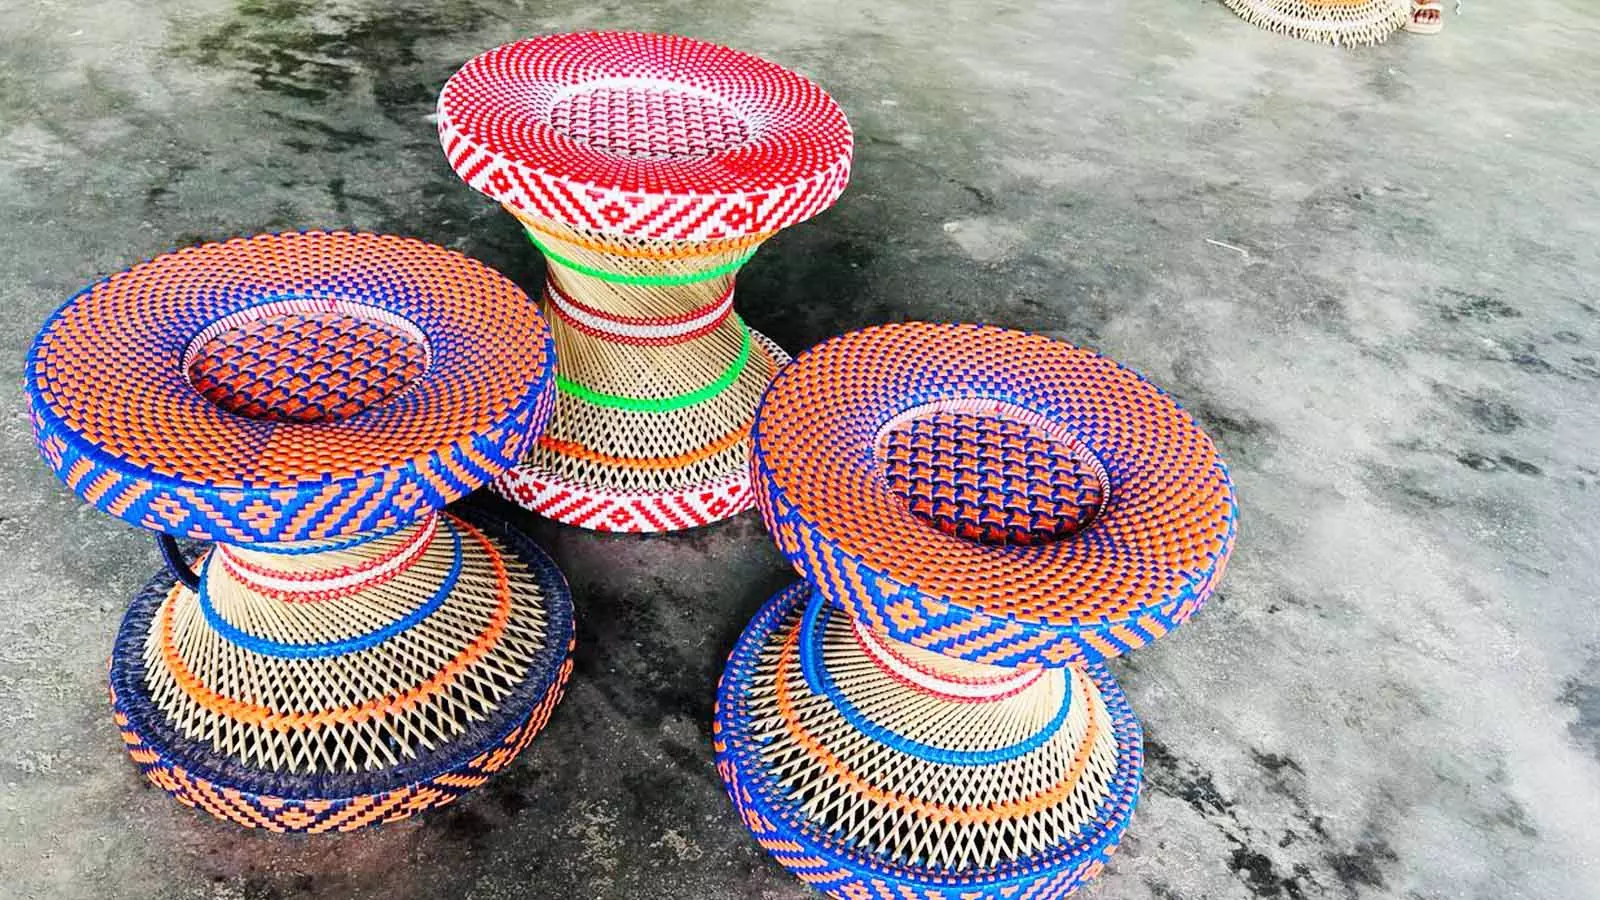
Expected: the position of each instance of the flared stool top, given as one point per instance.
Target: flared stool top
(290, 387)
(992, 495)
(651, 136)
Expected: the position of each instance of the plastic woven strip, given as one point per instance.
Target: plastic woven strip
(981, 516)
(640, 331)
(308, 402)
(226, 721)
(1143, 564)
(870, 813)
(653, 250)
(666, 404)
(182, 395)
(352, 644)
(654, 136)
(647, 169)
(645, 280)
(820, 680)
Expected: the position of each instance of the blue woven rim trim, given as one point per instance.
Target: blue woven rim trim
(772, 497)
(197, 757)
(743, 758)
(360, 518)
(821, 681)
(281, 650)
(310, 547)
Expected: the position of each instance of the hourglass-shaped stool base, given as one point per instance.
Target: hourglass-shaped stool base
(867, 787)
(606, 496)
(192, 738)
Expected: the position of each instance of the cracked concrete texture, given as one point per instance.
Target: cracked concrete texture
(1372, 275)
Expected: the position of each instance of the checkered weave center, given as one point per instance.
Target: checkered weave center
(649, 122)
(307, 367)
(1141, 566)
(990, 478)
(290, 387)
(649, 135)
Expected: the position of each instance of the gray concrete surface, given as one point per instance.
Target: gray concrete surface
(1395, 694)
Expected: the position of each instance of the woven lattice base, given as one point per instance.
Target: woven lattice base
(609, 498)
(866, 786)
(339, 737)
(1327, 21)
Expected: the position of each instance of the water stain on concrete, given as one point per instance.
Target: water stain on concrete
(1242, 438)
(1582, 693)
(315, 51)
(1487, 413)
(1462, 306)
(1480, 462)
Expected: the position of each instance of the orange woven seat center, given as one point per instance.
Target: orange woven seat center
(990, 478)
(651, 122)
(306, 366)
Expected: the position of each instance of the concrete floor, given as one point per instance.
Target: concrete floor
(1396, 692)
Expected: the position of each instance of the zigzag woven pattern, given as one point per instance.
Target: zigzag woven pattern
(311, 366)
(596, 508)
(318, 815)
(120, 421)
(650, 135)
(991, 478)
(1145, 563)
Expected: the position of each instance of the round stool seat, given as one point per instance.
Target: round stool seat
(866, 786)
(346, 653)
(990, 495)
(651, 136)
(290, 387)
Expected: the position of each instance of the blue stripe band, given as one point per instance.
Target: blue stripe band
(355, 644)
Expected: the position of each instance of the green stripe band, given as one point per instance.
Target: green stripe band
(665, 404)
(650, 280)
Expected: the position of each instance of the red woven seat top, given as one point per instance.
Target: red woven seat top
(648, 135)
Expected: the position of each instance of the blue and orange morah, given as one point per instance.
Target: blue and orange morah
(346, 653)
(981, 517)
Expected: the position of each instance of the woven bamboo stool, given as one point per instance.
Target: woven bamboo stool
(981, 518)
(647, 168)
(1345, 22)
(346, 653)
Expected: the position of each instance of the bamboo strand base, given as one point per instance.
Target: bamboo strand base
(277, 730)
(865, 784)
(612, 497)
(1344, 22)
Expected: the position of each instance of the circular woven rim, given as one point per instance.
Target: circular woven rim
(493, 117)
(164, 748)
(824, 861)
(1144, 565)
(117, 419)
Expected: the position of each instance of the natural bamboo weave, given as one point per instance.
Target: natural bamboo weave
(355, 711)
(981, 516)
(859, 780)
(408, 669)
(592, 444)
(1327, 21)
